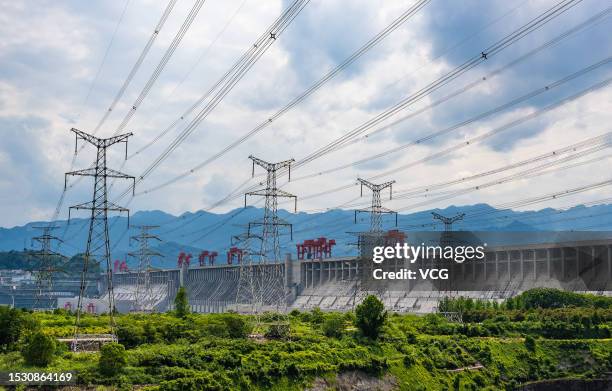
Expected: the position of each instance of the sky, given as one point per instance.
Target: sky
(63, 62)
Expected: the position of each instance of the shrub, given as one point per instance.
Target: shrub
(277, 331)
(201, 381)
(112, 359)
(530, 343)
(237, 326)
(181, 303)
(39, 350)
(370, 316)
(333, 326)
(409, 360)
(130, 334)
(316, 316)
(457, 382)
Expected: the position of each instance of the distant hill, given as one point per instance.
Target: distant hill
(193, 232)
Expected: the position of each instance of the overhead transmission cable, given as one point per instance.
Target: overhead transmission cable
(331, 74)
(93, 83)
(469, 86)
(535, 24)
(589, 22)
(227, 82)
(593, 144)
(259, 48)
(176, 41)
(119, 94)
(474, 140)
(137, 64)
(190, 71)
(511, 38)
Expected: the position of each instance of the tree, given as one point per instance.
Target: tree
(14, 324)
(112, 359)
(39, 350)
(370, 316)
(181, 303)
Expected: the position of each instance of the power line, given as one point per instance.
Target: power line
(189, 72)
(176, 41)
(472, 62)
(591, 21)
(136, 65)
(464, 89)
(259, 48)
(304, 95)
(105, 56)
(476, 139)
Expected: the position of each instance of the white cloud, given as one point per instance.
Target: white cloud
(50, 68)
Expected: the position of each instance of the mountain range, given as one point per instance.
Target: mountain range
(194, 232)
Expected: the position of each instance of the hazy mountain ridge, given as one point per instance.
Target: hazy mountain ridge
(193, 232)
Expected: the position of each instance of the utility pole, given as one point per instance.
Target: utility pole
(98, 245)
(376, 210)
(47, 263)
(144, 297)
(271, 277)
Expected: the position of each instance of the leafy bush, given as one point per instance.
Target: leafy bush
(39, 350)
(316, 316)
(530, 343)
(333, 326)
(370, 316)
(278, 331)
(112, 359)
(409, 360)
(200, 381)
(237, 326)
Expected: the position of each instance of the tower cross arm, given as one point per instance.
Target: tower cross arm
(271, 166)
(373, 186)
(100, 142)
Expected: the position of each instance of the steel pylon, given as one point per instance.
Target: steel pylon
(144, 297)
(48, 263)
(268, 281)
(376, 209)
(98, 245)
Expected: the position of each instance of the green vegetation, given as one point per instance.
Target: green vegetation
(28, 260)
(112, 359)
(181, 303)
(14, 325)
(370, 316)
(496, 347)
(39, 350)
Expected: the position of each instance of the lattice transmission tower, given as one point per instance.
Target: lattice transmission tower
(144, 296)
(250, 289)
(376, 210)
(98, 245)
(47, 264)
(374, 237)
(447, 239)
(266, 282)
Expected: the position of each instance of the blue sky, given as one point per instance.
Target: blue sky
(51, 51)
